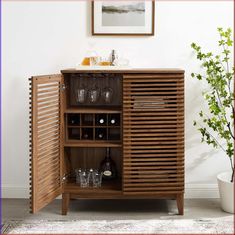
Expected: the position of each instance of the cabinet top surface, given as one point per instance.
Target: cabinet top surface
(127, 70)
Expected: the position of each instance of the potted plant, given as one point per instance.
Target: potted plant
(217, 124)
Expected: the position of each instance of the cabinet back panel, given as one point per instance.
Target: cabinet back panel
(87, 158)
(91, 81)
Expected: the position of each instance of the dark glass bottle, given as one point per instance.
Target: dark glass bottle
(87, 134)
(100, 134)
(114, 120)
(101, 120)
(108, 167)
(73, 119)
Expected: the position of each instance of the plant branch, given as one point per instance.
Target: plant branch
(229, 81)
(232, 166)
(220, 98)
(214, 139)
(232, 178)
(230, 131)
(226, 57)
(224, 115)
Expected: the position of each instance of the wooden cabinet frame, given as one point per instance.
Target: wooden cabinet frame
(152, 143)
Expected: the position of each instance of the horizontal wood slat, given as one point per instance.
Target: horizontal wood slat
(46, 140)
(153, 134)
(165, 176)
(47, 101)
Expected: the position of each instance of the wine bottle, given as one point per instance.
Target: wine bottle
(114, 120)
(100, 134)
(108, 167)
(87, 134)
(101, 120)
(73, 120)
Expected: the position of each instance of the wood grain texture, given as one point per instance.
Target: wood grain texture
(180, 203)
(65, 203)
(153, 133)
(137, 71)
(149, 155)
(46, 152)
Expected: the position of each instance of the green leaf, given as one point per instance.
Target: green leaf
(218, 74)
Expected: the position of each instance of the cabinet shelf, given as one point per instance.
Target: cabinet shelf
(87, 126)
(94, 110)
(92, 143)
(108, 187)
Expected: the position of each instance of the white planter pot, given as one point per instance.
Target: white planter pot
(226, 190)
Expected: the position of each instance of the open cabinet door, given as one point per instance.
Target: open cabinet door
(46, 140)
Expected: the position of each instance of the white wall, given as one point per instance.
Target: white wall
(45, 37)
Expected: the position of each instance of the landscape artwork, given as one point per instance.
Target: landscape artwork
(128, 13)
(131, 17)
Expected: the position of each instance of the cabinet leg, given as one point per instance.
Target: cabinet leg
(65, 203)
(180, 203)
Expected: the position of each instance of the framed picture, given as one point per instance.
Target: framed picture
(123, 17)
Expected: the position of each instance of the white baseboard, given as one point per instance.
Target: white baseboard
(191, 191)
(201, 191)
(15, 191)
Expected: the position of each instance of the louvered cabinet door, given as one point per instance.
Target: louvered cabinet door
(45, 151)
(153, 134)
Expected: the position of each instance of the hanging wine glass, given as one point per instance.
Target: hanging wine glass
(107, 92)
(81, 92)
(94, 92)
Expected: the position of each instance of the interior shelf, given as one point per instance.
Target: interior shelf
(86, 143)
(107, 187)
(94, 110)
(86, 126)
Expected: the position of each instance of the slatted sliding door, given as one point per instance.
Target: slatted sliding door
(153, 132)
(46, 152)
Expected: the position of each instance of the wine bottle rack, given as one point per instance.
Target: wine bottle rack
(93, 127)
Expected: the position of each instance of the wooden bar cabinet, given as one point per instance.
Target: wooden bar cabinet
(147, 142)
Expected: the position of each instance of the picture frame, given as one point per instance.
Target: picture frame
(123, 18)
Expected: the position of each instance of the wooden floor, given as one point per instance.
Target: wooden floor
(114, 209)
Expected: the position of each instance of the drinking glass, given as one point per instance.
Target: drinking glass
(97, 178)
(94, 61)
(107, 94)
(93, 94)
(77, 173)
(81, 95)
(84, 178)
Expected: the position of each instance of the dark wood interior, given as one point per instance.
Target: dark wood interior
(146, 142)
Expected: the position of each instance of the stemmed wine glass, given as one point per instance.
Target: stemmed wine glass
(81, 92)
(107, 92)
(94, 92)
